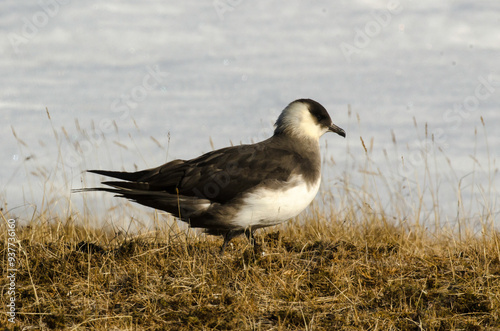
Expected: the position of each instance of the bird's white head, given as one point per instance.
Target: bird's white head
(305, 118)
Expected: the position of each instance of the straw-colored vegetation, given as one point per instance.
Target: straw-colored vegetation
(320, 275)
(348, 263)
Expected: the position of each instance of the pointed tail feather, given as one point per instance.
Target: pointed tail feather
(177, 205)
(118, 188)
(94, 189)
(130, 176)
(131, 186)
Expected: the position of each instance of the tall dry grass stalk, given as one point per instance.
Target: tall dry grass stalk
(369, 254)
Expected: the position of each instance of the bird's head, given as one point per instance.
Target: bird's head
(305, 118)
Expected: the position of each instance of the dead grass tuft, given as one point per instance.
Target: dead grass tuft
(356, 278)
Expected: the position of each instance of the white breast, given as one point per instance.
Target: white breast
(265, 207)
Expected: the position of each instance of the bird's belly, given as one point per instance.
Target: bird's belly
(266, 207)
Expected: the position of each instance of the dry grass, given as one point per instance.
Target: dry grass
(322, 275)
(352, 262)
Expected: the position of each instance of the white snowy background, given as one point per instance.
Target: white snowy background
(189, 72)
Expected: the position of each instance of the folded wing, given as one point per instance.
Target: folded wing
(188, 189)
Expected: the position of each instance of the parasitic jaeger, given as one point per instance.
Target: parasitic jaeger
(238, 189)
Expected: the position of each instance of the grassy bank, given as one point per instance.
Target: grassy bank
(377, 251)
(312, 274)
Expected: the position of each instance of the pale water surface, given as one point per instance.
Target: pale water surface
(223, 70)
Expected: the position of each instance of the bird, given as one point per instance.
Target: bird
(238, 189)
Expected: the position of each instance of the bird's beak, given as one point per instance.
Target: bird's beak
(337, 130)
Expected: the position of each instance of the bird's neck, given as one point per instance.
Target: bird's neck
(298, 141)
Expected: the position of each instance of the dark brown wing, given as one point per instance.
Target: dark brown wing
(218, 176)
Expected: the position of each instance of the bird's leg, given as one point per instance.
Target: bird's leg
(230, 234)
(227, 238)
(223, 248)
(257, 248)
(249, 234)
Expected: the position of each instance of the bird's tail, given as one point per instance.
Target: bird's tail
(130, 176)
(118, 187)
(178, 205)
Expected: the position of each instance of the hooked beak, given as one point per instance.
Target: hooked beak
(337, 130)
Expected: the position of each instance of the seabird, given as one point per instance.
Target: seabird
(238, 189)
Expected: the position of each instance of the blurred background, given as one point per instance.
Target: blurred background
(131, 85)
